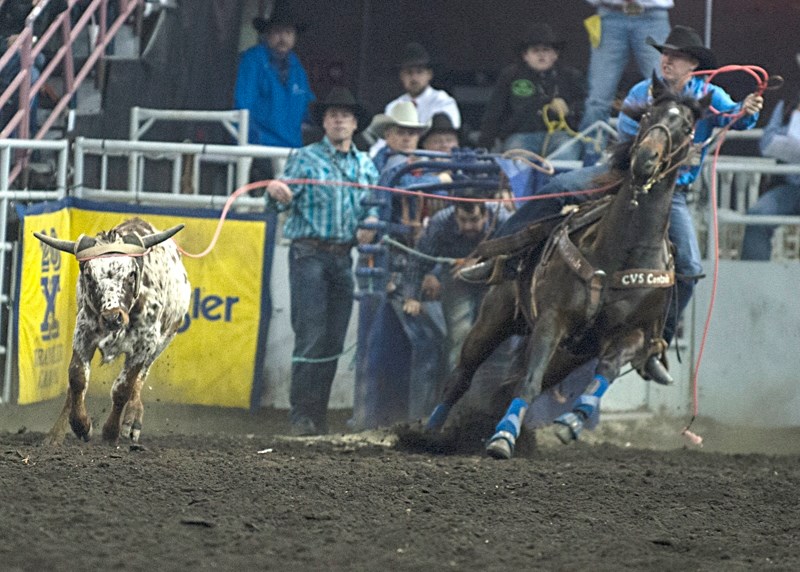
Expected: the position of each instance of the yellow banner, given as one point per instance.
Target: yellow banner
(212, 360)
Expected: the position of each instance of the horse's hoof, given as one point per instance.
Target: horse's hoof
(564, 434)
(568, 427)
(499, 448)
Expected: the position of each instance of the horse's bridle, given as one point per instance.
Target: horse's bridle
(664, 167)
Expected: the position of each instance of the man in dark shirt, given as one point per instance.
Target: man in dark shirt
(453, 232)
(532, 93)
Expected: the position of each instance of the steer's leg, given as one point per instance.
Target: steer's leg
(134, 411)
(74, 413)
(617, 353)
(495, 323)
(121, 393)
(545, 337)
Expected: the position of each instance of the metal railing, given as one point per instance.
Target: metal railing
(27, 48)
(174, 153)
(235, 122)
(10, 244)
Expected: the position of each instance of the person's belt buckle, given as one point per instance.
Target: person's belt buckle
(633, 9)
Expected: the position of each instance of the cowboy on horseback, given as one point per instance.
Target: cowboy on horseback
(681, 54)
(662, 159)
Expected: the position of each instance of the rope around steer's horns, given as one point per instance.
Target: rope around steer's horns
(114, 248)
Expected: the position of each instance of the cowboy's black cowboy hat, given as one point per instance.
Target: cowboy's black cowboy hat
(540, 35)
(440, 123)
(415, 55)
(686, 40)
(280, 16)
(343, 98)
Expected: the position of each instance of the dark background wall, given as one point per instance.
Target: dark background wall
(356, 43)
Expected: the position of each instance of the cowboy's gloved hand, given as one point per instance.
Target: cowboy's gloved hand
(752, 104)
(412, 307)
(431, 287)
(559, 106)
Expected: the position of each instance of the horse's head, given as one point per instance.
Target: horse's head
(666, 132)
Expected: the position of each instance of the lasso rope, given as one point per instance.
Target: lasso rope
(762, 79)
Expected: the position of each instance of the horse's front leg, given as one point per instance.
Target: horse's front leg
(546, 336)
(496, 323)
(616, 353)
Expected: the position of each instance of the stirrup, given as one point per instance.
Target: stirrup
(477, 273)
(657, 372)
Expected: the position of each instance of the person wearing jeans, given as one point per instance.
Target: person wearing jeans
(625, 26)
(323, 223)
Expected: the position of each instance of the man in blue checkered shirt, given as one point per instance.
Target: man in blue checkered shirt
(323, 225)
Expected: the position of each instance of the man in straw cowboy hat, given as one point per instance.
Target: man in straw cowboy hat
(323, 225)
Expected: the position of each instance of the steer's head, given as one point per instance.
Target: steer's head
(111, 267)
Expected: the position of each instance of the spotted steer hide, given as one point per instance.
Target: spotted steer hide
(133, 293)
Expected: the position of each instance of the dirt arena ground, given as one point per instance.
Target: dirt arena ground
(223, 489)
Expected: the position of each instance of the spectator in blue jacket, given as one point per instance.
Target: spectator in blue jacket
(272, 84)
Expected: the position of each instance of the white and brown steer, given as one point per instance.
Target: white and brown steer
(133, 293)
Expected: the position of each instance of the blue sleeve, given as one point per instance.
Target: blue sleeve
(294, 169)
(637, 97)
(245, 95)
(723, 103)
(418, 267)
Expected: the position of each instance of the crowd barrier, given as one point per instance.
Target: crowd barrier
(130, 193)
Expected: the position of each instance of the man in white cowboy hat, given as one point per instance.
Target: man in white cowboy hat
(272, 84)
(400, 128)
(416, 74)
(324, 223)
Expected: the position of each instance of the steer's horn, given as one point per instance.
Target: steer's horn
(57, 243)
(153, 239)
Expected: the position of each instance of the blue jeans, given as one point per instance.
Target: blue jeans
(533, 210)
(321, 285)
(460, 305)
(536, 142)
(681, 230)
(687, 260)
(621, 35)
(780, 200)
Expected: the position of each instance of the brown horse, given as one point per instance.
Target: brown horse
(600, 285)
